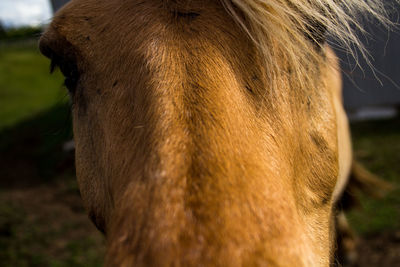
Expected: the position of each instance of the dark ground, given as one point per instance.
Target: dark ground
(42, 221)
(380, 250)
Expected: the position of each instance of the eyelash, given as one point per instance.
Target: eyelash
(69, 70)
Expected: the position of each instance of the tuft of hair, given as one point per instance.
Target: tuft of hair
(294, 30)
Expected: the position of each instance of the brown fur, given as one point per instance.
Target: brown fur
(187, 154)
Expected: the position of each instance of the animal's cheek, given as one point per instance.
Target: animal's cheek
(93, 196)
(89, 147)
(316, 174)
(320, 183)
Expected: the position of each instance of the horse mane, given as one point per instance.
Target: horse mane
(294, 30)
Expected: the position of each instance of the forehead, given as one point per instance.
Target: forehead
(116, 37)
(99, 23)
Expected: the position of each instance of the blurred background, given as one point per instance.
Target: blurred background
(42, 221)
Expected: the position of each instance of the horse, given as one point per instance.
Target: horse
(208, 132)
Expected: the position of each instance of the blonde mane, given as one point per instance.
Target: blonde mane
(292, 30)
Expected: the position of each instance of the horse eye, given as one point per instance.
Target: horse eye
(69, 69)
(63, 56)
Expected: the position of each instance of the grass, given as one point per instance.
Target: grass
(26, 87)
(35, 235)
(42, 222)
(377, 146)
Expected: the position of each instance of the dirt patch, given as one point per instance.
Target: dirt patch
(380, 250)
(46, 225)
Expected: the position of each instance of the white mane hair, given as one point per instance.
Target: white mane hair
(291, 30)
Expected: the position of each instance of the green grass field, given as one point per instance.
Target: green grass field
(42, 222)
(26, 87)
(377, 146)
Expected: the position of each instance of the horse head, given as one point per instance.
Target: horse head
(206, 132)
